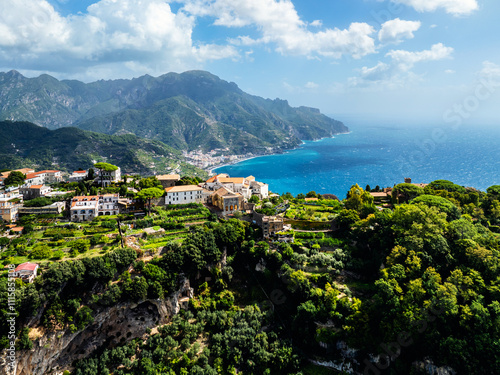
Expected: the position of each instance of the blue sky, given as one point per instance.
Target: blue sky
(404, 61)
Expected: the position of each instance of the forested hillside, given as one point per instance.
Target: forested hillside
(23, 144)
(186, 111)
(389, 291)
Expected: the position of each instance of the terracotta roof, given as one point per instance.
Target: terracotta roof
(36, 186)
(217, 176)
(225, 192)
(79, 171)
(178, 189)
(31, 175)
(378, 194)
(27, 267)
(48, 171)
(169, 177)
(251, 178)
(17, 229)
(82, 198)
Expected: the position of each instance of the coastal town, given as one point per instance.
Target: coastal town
(132, 245)
(102, 192)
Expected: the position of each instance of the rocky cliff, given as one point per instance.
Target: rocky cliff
(54, 352)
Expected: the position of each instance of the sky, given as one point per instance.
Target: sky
(399, 61)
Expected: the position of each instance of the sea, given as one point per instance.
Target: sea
(383, 155)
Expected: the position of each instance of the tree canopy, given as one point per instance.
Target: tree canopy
(14, 178)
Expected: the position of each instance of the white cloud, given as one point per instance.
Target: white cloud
(394, 31)
(398, 72)
(407, 59)
(113, 37)
(449, 71)
(490, 71)
(279, 24)
(455, 7)
(311, 85)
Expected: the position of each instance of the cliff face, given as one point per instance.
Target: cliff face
(56, 351)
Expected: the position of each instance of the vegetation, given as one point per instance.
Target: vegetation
(169, 109)
(419, 281)
(75, 149)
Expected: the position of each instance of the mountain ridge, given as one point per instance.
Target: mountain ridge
(190, 110)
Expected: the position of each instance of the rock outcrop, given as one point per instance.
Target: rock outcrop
(55, 352)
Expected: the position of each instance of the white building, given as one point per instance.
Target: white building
(108, 177)
(108, 204)
(78, 176)
(184, 194)
(10, 202)
(84, 208)
(25, 271)
(246, 186)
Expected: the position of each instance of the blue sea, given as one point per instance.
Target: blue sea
(378, 154)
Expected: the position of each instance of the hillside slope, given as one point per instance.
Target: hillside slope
(23, 144)
(191, 110)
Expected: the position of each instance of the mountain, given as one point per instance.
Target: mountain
(187, 111)
(23, 144)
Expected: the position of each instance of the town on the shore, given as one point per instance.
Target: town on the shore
(65, 198)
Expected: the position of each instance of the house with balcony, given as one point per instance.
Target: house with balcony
(84, 208)
(108, 204)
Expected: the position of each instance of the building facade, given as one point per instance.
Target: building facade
(270, 224)
(34, 191)
(184, 194)
(10, 202)
(227, 201)
(108, 204)
(108, 177)
(26, 272)
(84, 208)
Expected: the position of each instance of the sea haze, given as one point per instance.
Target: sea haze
(381, 155)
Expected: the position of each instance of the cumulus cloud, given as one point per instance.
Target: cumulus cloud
(279, 24)
(455, 7)
(125, 34)
(490, 71)
(407, 59)
(394, 31)
(398, 71)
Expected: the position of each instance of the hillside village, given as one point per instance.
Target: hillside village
(114, 248)
(86, 197)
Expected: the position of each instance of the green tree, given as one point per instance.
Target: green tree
(150, 182)
(149, 194)
(405, 192)
(357, 198)
(14, 178)
(494, 190)
(105, 167)
(254, 199)
(41, 252)
(443, 204)
(445, 185)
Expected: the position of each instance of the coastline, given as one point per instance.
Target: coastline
(213, 168)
